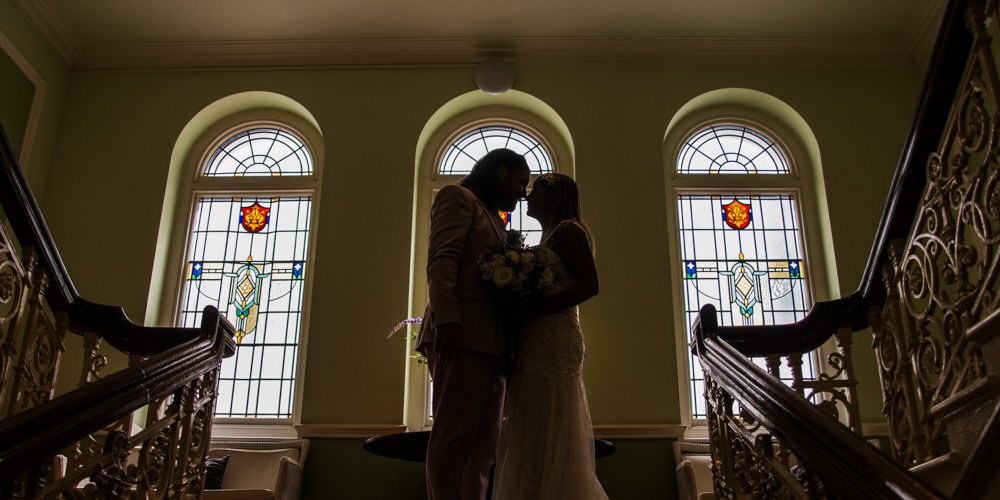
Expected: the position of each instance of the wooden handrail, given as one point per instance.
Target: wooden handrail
(823, 319)
(941, 83)
(26, 219)
(940, 86)
(178, 362)
(844, 461)
(46, 429)
(28, 224)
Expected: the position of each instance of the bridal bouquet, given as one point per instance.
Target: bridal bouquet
(516, 271)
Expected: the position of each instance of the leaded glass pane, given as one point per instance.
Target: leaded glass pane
(742, 253)
(260, 152)
(462, 154)
(731, 149)
(247, 257)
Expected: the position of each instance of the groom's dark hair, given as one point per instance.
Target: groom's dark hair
(483, 178)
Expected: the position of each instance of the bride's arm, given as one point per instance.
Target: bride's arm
(572, 244)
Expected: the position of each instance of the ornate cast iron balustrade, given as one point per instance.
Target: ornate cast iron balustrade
(84, 444)
(784, 347)
(942, 279)
(141, 431)
(769, 442)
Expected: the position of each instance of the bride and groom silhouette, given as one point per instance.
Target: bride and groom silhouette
(529, 417)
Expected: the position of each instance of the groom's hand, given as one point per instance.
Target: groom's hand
(446, 341)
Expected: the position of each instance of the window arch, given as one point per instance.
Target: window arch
(460, 156)
(731, 149)
(240, 204)
(260, 151)
(745, 198)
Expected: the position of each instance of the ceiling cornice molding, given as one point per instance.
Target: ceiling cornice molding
(49, 20)
(526, 50)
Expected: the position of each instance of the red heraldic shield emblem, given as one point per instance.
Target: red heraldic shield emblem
(254, 218)
(736, 215)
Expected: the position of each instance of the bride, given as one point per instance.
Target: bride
(546, 448)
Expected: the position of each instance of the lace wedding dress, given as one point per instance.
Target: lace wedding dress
(546, 448)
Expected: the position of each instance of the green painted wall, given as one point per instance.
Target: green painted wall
(103, 149)
(23, 42)
(370, 122)
(16, 92)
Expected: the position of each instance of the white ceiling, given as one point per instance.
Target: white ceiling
(95, 34)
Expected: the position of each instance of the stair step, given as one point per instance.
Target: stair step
(986, 329)
(986, 334)
(969, 399)
(964, 414)
(943, 472)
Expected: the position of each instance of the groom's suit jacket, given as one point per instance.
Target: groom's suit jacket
(462, 230)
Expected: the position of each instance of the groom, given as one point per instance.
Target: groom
(461, 334)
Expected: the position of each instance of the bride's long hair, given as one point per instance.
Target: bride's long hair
(565, 204)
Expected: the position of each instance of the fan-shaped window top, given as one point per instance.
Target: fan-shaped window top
(260, 152)
(731, 149)
(462, 154)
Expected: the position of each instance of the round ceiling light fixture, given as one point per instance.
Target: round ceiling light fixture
(494, 76)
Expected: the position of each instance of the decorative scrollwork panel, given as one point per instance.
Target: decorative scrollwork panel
(165, 459)
(748, 462)
(944, 278)
(834, 389)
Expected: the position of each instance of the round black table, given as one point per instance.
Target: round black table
(413, 446)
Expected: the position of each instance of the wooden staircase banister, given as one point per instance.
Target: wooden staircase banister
(46, 429)
(25, 218)
(844, 461)
(941, 84)
(27, 222)
(124, 335)
(51, 446)
(807, 334)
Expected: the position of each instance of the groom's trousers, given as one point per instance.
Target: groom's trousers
(468, 405)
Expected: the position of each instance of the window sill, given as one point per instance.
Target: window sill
(278, 428)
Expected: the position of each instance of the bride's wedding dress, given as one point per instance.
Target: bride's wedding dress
(546, 448)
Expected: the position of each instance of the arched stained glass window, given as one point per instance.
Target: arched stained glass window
(463, 153)
(247, 255)
(731, 149)
(741, 246)
(260, 152)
